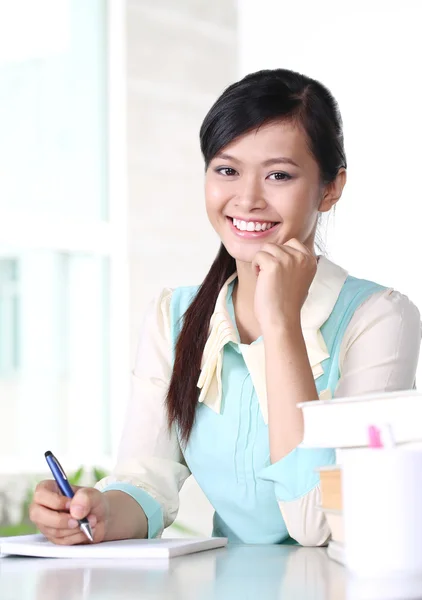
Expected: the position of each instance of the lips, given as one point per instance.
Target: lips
(251, 229)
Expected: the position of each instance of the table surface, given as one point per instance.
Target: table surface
(241, 572)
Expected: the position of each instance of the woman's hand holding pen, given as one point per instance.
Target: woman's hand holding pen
(57, 516)
(112, 515)
(284, 274)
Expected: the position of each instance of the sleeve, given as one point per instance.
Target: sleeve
(379, 353)
(380, 348)
(150, 466)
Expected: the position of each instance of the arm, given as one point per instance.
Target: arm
(150, 469)
(379, 352)
(288, 369)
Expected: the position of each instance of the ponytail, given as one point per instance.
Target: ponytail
(182, 396)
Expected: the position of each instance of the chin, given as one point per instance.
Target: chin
(243, 254)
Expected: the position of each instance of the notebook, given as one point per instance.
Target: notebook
(38, 545)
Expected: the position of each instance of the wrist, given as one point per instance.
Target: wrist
(281, 326)
(126, 519)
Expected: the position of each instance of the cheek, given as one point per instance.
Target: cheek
(301, 205)
(215, 197)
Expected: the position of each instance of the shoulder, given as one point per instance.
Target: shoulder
(389, 302)
(375, 300)
(181, 298)
(167, 307)
(162, 302)
(388, 312)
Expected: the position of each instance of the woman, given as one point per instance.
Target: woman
(221, 368)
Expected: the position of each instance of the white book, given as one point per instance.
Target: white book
(335, 551)
(38, 545)
(344, 422)
(335, 523)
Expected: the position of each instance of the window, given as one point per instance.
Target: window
(63, 285)
(9, 319)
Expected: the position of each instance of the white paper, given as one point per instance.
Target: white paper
(38, 545)
(382, 511)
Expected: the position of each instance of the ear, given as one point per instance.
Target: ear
(333, 191)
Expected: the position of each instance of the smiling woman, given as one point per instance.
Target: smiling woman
(222, 366)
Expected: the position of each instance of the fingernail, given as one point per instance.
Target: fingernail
(72, 523)
(78, 511)
(67, 505)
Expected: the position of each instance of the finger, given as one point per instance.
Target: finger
(281, 253)
(47, 494)
(86, 501)
(301, 253)
(277, 252)
(291, 247)
(294, 244)
(70, 540)
(291, 250)
(41, 515)
(73, 529)
(263, 260)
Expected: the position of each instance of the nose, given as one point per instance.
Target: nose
(250, 194)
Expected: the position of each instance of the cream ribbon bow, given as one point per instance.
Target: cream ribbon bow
(221, 332)
(322, 296)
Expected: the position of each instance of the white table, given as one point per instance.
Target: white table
(233, 573)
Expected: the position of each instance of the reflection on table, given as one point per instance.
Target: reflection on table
(239, 571)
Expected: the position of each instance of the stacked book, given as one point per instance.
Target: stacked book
(332, 506)
(343, 424)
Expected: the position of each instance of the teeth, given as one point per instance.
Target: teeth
(251, 225)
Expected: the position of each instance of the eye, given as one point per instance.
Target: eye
(279, 176)
(226, 171)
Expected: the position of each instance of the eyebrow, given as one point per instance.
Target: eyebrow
(267, 163)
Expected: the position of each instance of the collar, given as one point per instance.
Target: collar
(322, 296)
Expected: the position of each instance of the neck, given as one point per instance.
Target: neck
(243, 301)
(246, 285)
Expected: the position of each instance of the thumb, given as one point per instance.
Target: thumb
(81, 503)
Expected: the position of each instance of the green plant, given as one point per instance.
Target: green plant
(98, 474)
(183, 529)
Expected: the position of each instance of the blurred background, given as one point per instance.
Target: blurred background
(101, 191)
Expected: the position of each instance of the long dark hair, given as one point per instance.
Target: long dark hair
(256, 99)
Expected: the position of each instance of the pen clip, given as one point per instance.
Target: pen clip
(51, 455)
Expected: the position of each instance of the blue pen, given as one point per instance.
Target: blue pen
(65, 488)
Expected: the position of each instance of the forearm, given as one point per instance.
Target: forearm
(289, 380)
(126, 519)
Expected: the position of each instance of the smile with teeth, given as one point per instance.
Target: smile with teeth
(252, 225)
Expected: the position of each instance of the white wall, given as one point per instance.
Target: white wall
(368, 54)
(180, 57)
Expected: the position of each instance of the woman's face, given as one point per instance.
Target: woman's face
(264, 187)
